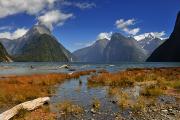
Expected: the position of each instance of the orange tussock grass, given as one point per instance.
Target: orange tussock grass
(18, 89)
(68, 108)
(164, 77)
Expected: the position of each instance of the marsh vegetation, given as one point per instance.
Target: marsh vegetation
(133, 93)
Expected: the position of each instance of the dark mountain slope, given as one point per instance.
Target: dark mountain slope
(42, 48)
(4, 57)
(38, 45)
(169, 51)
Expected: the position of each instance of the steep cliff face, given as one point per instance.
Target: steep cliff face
(42, 48)
(169, 51)
(123, 49)
(4, 57)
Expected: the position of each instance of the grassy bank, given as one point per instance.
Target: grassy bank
(162, 78)
(153, 82)
(18, 89)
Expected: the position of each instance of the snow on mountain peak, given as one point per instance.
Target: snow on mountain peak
(150, 36)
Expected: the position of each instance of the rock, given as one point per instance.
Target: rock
(164, 110)
(93, 111)
(72, 69)
(80, 82)
(154, 110)
(29, 106)
(64, 66)
(172, 112)
(113, 101)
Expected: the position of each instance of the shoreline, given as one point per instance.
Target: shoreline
(46, 83)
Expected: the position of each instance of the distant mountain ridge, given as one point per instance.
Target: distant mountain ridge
(150, 43)
(118, 49)
(93, 53)
(123, 49)
(169, 51)
(37, 45)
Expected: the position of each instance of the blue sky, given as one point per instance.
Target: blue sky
(77, 23)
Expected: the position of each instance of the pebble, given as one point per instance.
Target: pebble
(93, 111)
(164, 110)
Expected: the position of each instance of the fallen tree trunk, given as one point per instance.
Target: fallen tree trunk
(29, 106)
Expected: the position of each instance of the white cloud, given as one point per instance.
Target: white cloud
(131, 31)
(53, 17)
(151, 34)
(6, 28)
(85, 5)
(44, 9)
(32, 7)
(125, 24)
(104, 35)
(14, 35)
(82, 5)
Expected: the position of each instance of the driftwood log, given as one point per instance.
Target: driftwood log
(29, 106)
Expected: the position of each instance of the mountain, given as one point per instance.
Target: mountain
(169, 51)
(4, 57)
(8, 44)
(93, 53)
(150, 43)
(121, 48)
(37, 45)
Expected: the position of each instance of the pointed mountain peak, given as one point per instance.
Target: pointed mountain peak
(39, 29)
(118, 36)
(101, 41)
(104, 39)
(150, 36)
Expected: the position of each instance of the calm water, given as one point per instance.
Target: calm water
(83, 95)
(47, 67)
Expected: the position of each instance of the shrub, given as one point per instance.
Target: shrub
(152, 91)
(96, 104)
(176, 85)
(139, 105)
(67, 108)
(123, 100)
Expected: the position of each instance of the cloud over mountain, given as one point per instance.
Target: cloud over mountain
(124, 25)
(14, 35)
(104, 35)
(47, 12)
(54, 17)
